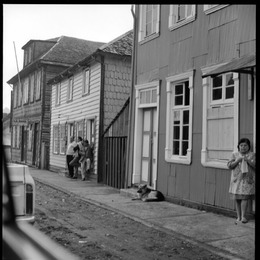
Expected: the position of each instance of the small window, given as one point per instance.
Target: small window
(62, 139)
(222, 88)
(55, 139)
(26, 91)
(149, 21)
(38, 85)
(180, 15)
(86, 81)
(70, 89)
(57, 94)
(32, 82)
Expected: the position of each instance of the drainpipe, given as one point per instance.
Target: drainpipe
(129, 152)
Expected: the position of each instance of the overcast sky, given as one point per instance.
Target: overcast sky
(22, 23)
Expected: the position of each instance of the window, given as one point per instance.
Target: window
(57, 94)
(70, 89)
(30, 131)
(38, 85)
(149, 21)
(212, 8)
(32, 81)
(86, 81)
(219, 119)
(179, 118)
(16, 137)
(90, 130)
(55, 139)
(26, 90)
(19, 94)
(80, 131)
(15, 91)
(180, 15)
(62, 139)
(222, 88)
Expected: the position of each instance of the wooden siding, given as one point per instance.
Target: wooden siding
(80, 108)
(211, 39)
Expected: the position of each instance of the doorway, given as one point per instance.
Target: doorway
(149, 146)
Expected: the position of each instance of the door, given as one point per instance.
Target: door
(149, 147)
(24, 144)
(35, 145)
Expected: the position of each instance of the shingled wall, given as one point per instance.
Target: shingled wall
(117, 86)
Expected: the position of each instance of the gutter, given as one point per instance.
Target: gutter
(129, 152)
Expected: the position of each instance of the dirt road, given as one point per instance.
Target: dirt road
(92, 232)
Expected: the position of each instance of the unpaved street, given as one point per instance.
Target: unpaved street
(92, 232)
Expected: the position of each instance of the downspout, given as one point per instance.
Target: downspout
(129, 152)
(100, 156)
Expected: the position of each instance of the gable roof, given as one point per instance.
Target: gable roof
(121, 45)
(70, 50)
(66, 51)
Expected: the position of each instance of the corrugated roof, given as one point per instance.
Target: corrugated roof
(236, 65)
(122, 45)
(70, 50)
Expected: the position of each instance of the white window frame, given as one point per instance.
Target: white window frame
(170, 83)
(86, 81)
(70, 89)
(208, 9)
(174, 24)
(142, 37)
(205, 161)
(57, 93)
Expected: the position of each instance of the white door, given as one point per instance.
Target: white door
(149, 146)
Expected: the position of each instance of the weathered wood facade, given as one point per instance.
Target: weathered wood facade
(191, 129)
(89, 111)
(32, 96)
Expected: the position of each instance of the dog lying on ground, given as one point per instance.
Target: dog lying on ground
(146, 194)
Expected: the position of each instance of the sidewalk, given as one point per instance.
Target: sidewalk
(216, 233)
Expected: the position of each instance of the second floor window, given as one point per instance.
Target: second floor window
(181, 14)
(149, 21)
(86, 81)
(32, 87)
(57, 98)
(26, 90)
(38, 85)
(70, 89)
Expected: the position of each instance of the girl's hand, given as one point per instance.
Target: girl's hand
(239, 159)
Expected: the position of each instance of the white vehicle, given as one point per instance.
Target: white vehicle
(23, 192)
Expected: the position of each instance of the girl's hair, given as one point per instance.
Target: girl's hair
(244, 140)
(80, 138)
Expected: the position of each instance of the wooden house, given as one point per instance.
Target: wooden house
(30, 120)
(87, 96)
(193, 98)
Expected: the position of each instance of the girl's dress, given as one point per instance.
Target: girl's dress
(242, 183)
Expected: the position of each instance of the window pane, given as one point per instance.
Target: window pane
(187, 94)
(186, 117)
(229, 79)
(176, 132)
(217, 94)
(185, 134)
(217, 81)
(178, 100)
(176, 117)
(176, 149)
(148, 29)
(184, 148)
(178, 89)
(188, 10)
(229, 92)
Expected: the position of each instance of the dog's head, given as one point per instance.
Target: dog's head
(142, 188)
